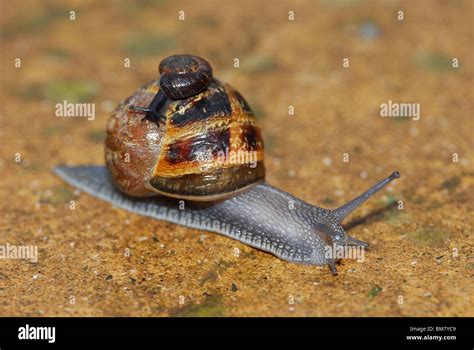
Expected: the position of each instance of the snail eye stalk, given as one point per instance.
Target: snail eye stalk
(140, 109)
(156, 111)
(342, 212)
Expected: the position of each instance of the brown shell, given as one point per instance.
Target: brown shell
(132, 145)
(210, 147)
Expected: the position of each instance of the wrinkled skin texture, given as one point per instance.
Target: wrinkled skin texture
(260, 217)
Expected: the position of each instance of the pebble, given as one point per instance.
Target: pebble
(33, 184)
(276, 161)
(107, 106)
(369, 30)
(233, 287)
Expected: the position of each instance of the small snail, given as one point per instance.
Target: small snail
(186, 147)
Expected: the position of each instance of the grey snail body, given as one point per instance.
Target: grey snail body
(260, 217)
(237, 202)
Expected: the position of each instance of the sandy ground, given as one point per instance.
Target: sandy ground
(100, 261)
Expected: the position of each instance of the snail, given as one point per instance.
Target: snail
(183, 153)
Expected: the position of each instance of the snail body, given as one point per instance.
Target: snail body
(180, 150)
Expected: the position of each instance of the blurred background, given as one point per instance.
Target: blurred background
(291, 56)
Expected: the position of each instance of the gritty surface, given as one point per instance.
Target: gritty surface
(101, 261)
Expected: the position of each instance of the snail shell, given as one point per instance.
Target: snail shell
(209, 147)
(183, 76)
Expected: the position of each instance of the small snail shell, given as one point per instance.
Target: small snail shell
(190, 157)
(183, 76)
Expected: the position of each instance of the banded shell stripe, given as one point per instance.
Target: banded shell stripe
(207, 133)
(201, 148)
(213, 102)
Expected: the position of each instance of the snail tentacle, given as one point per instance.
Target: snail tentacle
(342, 212)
